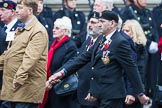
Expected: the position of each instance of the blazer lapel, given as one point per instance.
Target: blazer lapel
(94, 58)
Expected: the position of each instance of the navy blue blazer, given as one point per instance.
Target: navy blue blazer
(128, 84)
(84, 76)
(107, 79)
(3, 34)
(3, 43)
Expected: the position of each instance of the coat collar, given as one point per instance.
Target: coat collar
(32, 23)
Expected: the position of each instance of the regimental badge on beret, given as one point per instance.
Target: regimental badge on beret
(100, 14)
(8, 5)
(5, 5)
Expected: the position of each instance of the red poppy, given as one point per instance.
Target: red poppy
(10, 6)
(106, 46)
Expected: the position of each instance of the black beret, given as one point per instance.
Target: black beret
(8, 4)
(93, 15)
(109, 15)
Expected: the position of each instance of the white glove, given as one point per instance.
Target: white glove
(153, 48)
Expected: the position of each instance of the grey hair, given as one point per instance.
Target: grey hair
(108, 4)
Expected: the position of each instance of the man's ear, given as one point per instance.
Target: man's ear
(31, 10)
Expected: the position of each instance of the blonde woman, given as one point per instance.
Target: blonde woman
(134, 30)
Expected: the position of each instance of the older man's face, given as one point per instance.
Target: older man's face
(98, 7)
(94, 27)
(105, 25)
(6, 15)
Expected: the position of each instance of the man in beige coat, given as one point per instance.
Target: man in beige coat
(24, 70)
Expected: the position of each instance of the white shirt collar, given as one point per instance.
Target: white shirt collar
(109, 35)
(10, 25)
(94, 40)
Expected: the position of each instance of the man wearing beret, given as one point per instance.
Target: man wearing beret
(108, 58)
(8, 17)
(84, 74)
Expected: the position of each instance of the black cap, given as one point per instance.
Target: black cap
(109, 15)
(93, 15)
(8, 4)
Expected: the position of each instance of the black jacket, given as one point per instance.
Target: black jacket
(107, 79)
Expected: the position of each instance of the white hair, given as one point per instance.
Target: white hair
(64, 23)
(108, 4)
(120, 22)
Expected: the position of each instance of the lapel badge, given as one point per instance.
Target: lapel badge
(106, 60)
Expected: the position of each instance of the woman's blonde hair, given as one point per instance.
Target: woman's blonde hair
(138, 35)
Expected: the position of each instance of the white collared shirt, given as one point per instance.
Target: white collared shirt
(109, 35)
(94, 40)
(10, 25)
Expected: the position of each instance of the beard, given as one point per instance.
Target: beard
(94, 32)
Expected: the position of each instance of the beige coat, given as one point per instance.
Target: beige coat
(25, 62)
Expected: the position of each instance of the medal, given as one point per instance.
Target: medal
(105, 60)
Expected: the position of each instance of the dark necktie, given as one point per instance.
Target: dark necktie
(91, 43)
(101, 45)
(4, 28)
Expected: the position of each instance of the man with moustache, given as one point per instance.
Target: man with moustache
(108, 57)
(93, 32)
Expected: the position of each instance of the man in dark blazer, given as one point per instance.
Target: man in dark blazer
(108, 59)
(93, 32)
(3, 43)
(8, 17)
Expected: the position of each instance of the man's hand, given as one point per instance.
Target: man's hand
(15, 84)
(54, 79)
(48, 85)
(129, 99)
(90, 98)
(144, 99)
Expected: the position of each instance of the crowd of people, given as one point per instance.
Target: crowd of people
(116, 54)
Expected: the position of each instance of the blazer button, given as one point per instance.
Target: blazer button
(92, 68)
(92, 78)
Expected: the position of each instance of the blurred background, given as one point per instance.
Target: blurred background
(83, 5)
